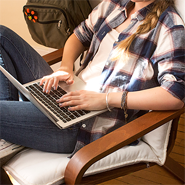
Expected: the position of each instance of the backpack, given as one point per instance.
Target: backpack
(51, 22)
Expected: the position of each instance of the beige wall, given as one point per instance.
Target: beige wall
(180, 4)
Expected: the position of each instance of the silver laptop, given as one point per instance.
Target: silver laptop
(62, 117)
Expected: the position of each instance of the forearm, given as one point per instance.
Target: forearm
(72, 50)
(151, 99)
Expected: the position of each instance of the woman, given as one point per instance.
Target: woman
(135, 51)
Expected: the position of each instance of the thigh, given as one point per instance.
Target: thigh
(20, 58)
(22, 123)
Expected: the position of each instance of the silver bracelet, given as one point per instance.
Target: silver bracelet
(107, 102)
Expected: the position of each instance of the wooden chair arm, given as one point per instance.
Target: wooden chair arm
(54, 57)
(113, 141)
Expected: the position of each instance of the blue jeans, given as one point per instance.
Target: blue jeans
(20, 121)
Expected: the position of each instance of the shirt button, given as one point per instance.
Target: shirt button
(84, 125)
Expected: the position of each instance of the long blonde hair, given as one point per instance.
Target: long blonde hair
(148, 24)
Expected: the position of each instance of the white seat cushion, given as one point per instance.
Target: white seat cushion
(33, 167)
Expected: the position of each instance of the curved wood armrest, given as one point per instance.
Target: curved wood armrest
(54, 57)
(113, 141)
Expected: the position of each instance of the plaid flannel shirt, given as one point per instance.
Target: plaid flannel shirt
(156, 58)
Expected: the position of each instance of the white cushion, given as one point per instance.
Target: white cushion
(33, 167)
(125, 156)
(158, 141)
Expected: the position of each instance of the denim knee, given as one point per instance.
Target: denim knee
(3, 30)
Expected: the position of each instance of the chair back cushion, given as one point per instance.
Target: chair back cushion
(158, 141)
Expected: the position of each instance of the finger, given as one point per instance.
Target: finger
(42, 80)
(70, 99)
(70, 96)
(74, 95)
(70, 81)
(65, 98)
(55, 83)
(74, 103)
(45, 86)
(49, 85)
(78, 107)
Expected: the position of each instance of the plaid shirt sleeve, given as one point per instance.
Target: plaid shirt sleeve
(88, 28)
(170, 58)
(85, 30)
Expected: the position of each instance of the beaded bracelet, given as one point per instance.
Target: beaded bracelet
(107, 102)
(124, 104)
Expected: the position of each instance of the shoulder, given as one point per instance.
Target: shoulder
(170, 18)
(100, 13)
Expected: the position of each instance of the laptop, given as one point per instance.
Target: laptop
(46, 103)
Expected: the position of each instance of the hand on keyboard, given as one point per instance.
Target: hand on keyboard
(83, 100)
(53, 80)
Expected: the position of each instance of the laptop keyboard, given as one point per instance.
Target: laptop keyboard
(49, 100)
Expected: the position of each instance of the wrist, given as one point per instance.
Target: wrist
(66, 65)
(66, 69)
(107, 102)
(114, 99)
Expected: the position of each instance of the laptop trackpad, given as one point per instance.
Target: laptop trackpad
(77, 85)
